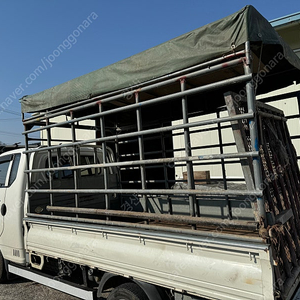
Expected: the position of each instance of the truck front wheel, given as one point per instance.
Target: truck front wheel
(2, 269)
(127, 291)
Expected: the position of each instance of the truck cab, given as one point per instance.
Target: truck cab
(12, 186)
(14, 205)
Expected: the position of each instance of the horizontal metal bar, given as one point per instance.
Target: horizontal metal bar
(148, 192)
(229, 155)
(151, 138)
(204, 163)
(181, 133)
(201, 89)
(147, 132)
(271, 116)
(45, 140)
(150, 161)
(209, 238)
(180, 219)
(151, 84)
(205, 147)
(147, 181)
(224, 223)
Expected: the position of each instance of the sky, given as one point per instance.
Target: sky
(32, 30)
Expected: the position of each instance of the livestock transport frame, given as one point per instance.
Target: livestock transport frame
(155, 137)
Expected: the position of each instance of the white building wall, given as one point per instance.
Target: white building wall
(207, 138)
(65, 134)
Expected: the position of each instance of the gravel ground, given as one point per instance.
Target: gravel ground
(22, 289)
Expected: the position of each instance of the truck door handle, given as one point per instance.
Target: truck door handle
(3, 210)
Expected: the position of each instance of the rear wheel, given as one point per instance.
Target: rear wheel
(2, 269)
(127, 291)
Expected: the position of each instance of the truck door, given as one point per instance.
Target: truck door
(5, 165)
(12, 185)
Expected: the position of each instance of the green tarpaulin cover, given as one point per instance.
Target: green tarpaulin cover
(205, 43)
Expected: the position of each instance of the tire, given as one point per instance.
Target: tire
(127, 291)
(2, 269)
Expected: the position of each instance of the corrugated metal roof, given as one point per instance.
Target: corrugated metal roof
(285, 20)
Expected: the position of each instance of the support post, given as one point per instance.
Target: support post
(141, 151)
(28, 175)
(75, 160)
(166, 179)
(188, 152)
(254, 131)
(229, 213)
(104, 155)
(49, 160)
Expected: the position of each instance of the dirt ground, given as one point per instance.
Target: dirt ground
(22, 289)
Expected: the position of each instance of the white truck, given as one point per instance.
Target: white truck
(188, 187)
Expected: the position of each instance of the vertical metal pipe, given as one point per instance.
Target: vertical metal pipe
(188, 152)
(254, 130)
(97, 135)
(75, 160)
(117, 151)
(117, 147)
(223, 168)
(163, 150)
(104, 156)
(28, 175)
(96, 161)
(166, 179)
(141, 151)
(49, 161)
(59, 162)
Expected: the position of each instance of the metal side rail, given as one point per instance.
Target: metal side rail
(49, 281)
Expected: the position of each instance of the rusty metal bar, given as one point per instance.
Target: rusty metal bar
(186, 232)
(240, 137)
(179, 219)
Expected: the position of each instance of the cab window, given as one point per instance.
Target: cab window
(4, 167)
(14, 169)
(89, 160)
(67, 161)
(3, 172)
